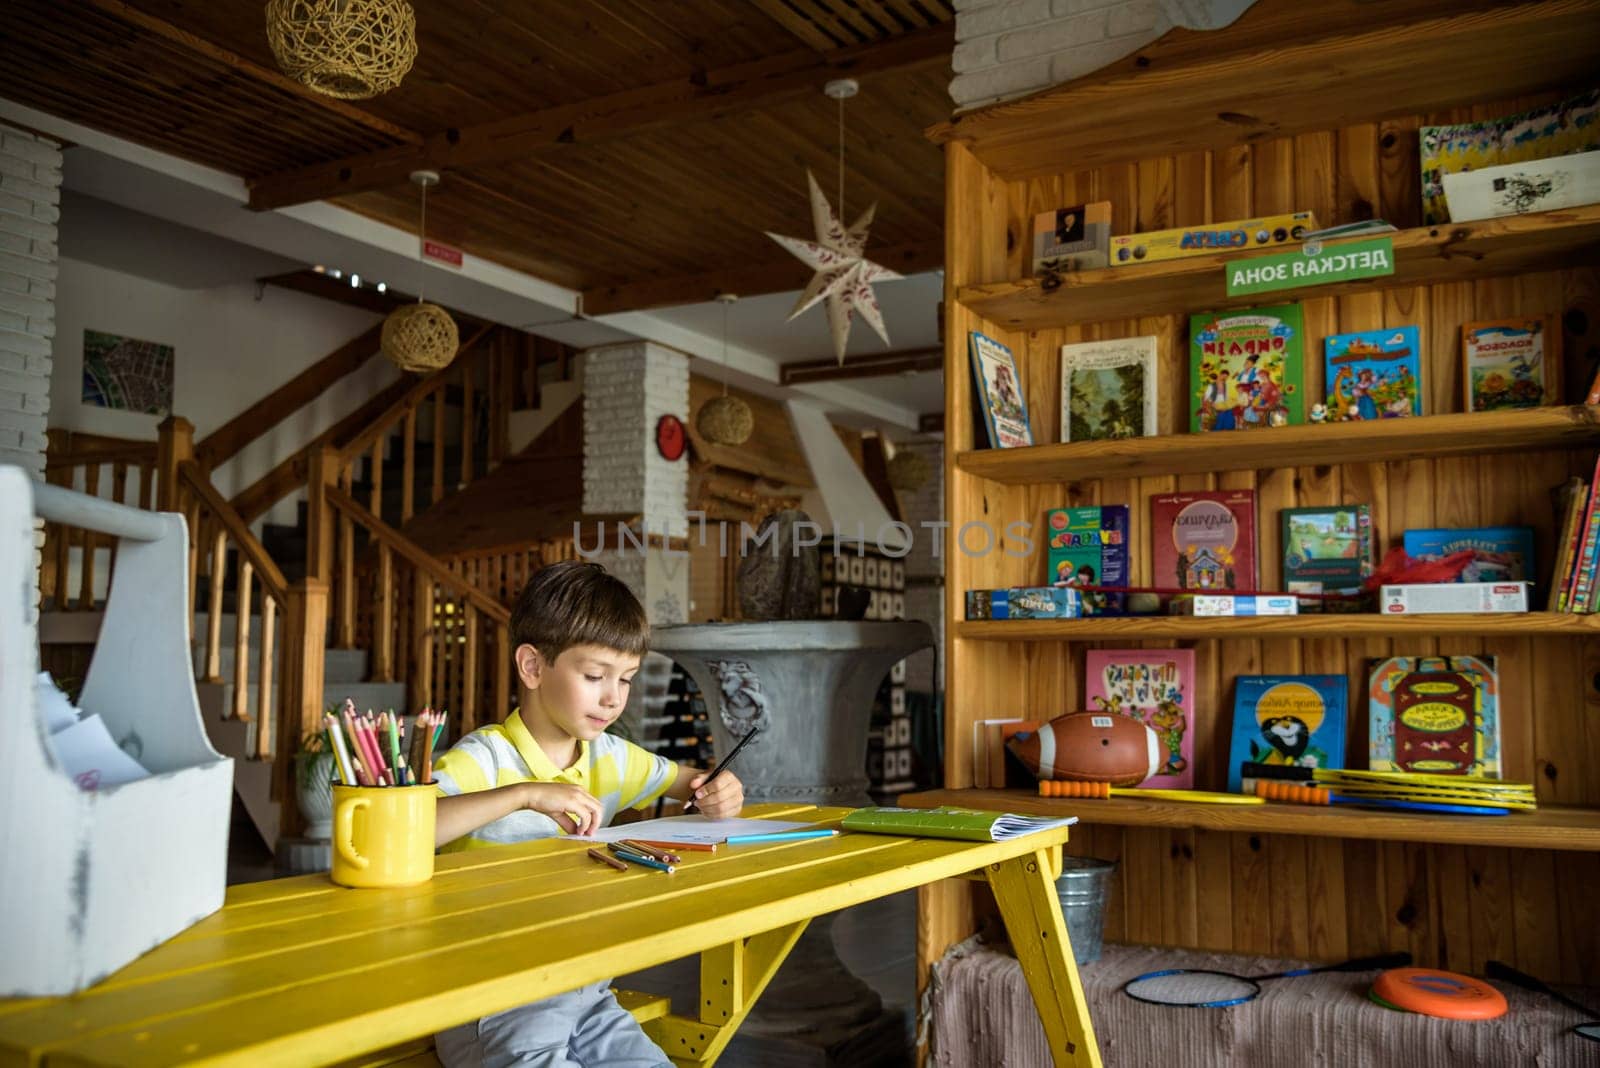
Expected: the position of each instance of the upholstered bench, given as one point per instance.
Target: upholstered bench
(982, 1015)
(419, 1054)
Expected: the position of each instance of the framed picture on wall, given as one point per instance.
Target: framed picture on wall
(126, 373)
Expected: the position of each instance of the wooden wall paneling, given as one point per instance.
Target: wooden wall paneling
(1580, 943)
(1252, 891)
(1153, 193)
(1534, 915)
(1232, 171)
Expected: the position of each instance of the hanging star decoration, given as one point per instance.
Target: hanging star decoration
(844, 276)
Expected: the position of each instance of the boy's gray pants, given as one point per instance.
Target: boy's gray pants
(584, 1028)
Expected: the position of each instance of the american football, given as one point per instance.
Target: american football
(1090, 747)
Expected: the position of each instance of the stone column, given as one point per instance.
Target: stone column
(30, 197)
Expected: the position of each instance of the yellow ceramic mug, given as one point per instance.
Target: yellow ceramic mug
(383, 836)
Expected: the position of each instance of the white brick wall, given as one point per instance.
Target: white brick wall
(1008, 48)
(30, 195)
(626, 390)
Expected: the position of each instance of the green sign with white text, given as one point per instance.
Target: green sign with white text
(1287, 270)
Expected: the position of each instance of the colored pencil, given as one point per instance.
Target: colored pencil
(651, 851)
(427, 754)
(693, 847)
(778, 836)
(605, 858)
(640, 859)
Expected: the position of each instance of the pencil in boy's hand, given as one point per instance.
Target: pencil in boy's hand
(607, 859)
(687, 805)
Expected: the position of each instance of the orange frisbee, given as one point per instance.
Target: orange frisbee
(1433, 992)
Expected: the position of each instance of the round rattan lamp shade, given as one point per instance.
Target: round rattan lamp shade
(420, 337)
(350, 49)
(908, 470)
(725, 421)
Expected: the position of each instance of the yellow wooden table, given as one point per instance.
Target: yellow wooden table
(300, 972)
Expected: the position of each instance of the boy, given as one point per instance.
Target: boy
(551, 768)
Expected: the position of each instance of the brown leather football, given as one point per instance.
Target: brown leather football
(1090, 747)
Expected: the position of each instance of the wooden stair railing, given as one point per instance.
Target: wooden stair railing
(449, 642)
(500, 573)
(77, 460)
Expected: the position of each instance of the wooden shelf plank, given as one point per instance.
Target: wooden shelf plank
(1366, 625)
(1452, 252)
(1456, 434)
(1551, 827)
(1308, 66)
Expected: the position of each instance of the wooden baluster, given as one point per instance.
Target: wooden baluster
(241, 640)
(438, 446)
(420, 685)
(91, 486)
(219, 568)
(119, 493)
(265, 728)
(147, 486)
(174, 445)
(59, 538)
(375, 471)
(383, 625)
(503, 670)
(191, 513)
(469, 671)
(322, 470)
(347, 574)
(408, 467)
(305, 629)
(467, 422)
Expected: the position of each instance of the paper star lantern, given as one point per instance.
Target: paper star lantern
(844, 276)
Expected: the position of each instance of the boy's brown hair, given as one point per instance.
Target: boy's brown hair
(577, 603)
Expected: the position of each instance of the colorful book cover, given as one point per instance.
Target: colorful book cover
(1245, 368)
(1373, 374)
(1435, 714)
(1293, 720)
(1571, 500)
(1573, 125)
(1204, 540)
(1511, 363)
(1089, 547)
(1581, 584)
(1156, 687)
(1327, 550)
(998, 389)
(1500, 554)
(1108, 389)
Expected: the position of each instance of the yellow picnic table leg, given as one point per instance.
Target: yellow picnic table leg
(1032, 914)
(732, 976)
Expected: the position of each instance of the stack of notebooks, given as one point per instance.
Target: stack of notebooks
(1573, 583)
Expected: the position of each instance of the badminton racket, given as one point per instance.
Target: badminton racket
(1104, 791)
(1316, 795)
(1589, 1029)
(1202, 988)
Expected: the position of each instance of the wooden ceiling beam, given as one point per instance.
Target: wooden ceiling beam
(708, 95)
(778, 276)
(870, 365)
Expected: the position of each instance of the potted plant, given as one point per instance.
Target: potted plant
(313, 780)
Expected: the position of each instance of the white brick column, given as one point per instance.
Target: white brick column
(30, 195)
(1007, 48)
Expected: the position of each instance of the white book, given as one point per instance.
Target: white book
(1108, 389)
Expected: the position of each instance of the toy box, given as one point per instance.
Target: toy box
(1026, 602)
(1130, 249)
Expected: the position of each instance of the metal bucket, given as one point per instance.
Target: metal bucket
(1082, 888)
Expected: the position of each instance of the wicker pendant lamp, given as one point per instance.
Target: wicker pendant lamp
(420, 337)
(908, 470)
(350, 49)
(725, 420)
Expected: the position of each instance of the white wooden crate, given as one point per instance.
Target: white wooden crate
(93, 879)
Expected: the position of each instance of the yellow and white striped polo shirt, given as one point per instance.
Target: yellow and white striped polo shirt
(619, 773)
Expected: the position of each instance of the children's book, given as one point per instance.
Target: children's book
(1108, 389)
(1295, 720)
(1511, 363)
(1373, 374)
(1499, 554)
(1089, 547)
(966, 824)
(1435, 714)
(1571, 501)
(1245, 368)
(1155, 687)
(997, 387)
(1204, 540)
(1072, 239)
(1327, 550)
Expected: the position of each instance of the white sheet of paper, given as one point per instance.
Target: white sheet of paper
(691, 830)
(92, 758)
(53, 704)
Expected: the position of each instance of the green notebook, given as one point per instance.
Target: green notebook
(968, 824)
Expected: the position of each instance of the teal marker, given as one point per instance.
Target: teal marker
(778, 836)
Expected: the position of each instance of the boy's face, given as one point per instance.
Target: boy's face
(582, 692)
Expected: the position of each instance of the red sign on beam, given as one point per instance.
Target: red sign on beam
(442, 253)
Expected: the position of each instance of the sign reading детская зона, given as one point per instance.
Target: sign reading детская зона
(1335, 263)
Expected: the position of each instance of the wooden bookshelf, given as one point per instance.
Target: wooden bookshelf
(1551, 827)
(1307, 627)
(1455, 252)
(1456, 434)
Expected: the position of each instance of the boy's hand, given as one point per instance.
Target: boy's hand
(574, 808)
(720, 798)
